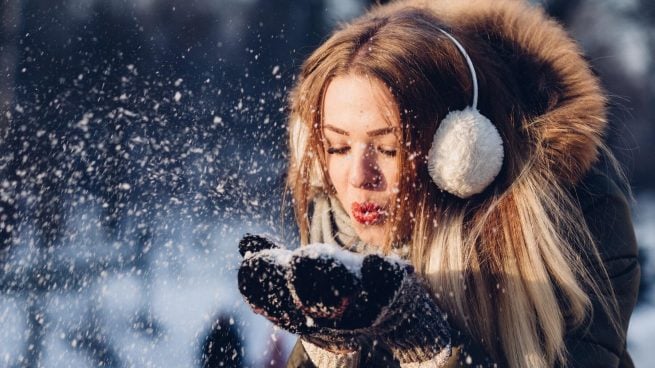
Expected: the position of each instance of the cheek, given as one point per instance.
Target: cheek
(338, 172)
(391, 174)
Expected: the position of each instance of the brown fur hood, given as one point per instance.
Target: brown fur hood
(567, 107)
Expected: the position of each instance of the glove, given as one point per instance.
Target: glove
(333, 297)
(377, 296)
(263, 279)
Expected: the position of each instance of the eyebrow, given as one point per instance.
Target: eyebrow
(372, 133)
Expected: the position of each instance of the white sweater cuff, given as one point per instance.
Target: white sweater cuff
(326, 359)
(437, 362)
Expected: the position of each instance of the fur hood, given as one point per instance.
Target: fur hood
(562, 97)
(566, 104)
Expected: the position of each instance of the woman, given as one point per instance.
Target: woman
(466, 138)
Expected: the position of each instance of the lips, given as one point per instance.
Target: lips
(367, 213)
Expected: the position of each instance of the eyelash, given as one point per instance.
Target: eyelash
(342, 150)
(337, 151)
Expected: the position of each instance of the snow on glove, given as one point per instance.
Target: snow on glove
(333, 297)
(381, 297)
(263, 281)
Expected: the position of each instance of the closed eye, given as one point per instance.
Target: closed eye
(343, 150)
(390, 153)
(337, 151)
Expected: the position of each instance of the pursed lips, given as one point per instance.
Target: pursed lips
(368, 213)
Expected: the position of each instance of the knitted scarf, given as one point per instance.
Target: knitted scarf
(330, 223)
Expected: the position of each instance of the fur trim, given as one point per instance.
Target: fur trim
(562, 97)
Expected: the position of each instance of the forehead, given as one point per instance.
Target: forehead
(358, 104)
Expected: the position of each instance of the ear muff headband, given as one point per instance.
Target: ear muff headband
(467, 151)
(474, 76)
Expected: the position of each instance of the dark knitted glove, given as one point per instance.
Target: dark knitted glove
(374, 295)
(263, 281)
(332, 297)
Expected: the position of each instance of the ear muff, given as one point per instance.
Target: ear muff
(299, 141)
(467, 151)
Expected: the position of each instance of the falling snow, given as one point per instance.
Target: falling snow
(142, 140)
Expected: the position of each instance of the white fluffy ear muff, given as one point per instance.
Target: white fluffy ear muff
(467, 151)
(299, 140)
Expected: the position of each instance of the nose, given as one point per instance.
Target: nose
(364, 171)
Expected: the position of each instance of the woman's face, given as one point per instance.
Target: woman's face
(361, 126)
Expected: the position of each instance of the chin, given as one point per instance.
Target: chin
(370, 234)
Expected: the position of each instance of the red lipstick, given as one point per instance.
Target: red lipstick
(367, 213)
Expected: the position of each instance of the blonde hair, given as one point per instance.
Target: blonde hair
(507, 264)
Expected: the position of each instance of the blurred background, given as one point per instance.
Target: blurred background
(140, 139)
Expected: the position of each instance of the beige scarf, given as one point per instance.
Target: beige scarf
(331, 224)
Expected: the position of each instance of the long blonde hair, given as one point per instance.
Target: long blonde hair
(507, 264)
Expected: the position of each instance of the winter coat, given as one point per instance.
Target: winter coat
(595, 343)
(565, 110)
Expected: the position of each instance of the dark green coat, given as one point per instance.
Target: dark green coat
(595, 343)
